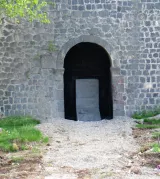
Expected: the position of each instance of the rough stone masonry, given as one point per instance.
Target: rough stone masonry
(32, 55)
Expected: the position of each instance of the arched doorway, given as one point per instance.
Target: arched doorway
(87, 61)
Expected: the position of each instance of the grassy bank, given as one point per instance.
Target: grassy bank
(147, 131)
(19, 133)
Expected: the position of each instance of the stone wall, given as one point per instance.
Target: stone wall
(32, 55)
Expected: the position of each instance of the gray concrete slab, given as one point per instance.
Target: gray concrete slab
(87, 100)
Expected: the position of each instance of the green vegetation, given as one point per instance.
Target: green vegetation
(156, 147)
(51, 47)
(149, 124)
(152, 121)
(146, 114)
(145, 122)
(18, 132)
(17, 159)
(18, 121)
(28, 9)
(156, 135)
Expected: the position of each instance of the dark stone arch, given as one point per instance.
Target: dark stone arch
(84, 38)
(87, 61)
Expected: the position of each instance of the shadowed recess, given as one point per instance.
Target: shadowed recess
(87, 61)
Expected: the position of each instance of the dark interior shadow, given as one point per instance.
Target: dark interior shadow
(87, 61)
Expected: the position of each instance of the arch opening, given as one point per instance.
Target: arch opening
(87, 83)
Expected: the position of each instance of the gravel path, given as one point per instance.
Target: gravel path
(92, 150)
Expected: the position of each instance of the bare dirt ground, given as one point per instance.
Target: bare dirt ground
(108, 149)
(21, 165)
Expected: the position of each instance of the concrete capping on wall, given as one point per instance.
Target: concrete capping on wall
(84, 38)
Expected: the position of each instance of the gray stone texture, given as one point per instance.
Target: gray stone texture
(32, 55)
(87, 100)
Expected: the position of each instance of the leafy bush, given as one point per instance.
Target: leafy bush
(28, 9)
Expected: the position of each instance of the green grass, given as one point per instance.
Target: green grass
(156, 135)
(145, 123)
(18, 132)
(146, 114)
(147, 126)
(152, 121)
(156, 148)
(17, 159)
(18, 121)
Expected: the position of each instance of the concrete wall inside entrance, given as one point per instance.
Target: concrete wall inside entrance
(87, 100)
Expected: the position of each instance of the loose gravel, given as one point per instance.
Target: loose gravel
(92, 150)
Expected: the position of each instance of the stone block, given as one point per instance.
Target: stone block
(7, 107)
(59, 85)
(35, 70)
(7, 93)
(1, 93)
(48, 61)
(60, 106)
(115, 71)
(59, 94)
(1, 102)
(37, 38)
(118, 113)
(60, 114)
